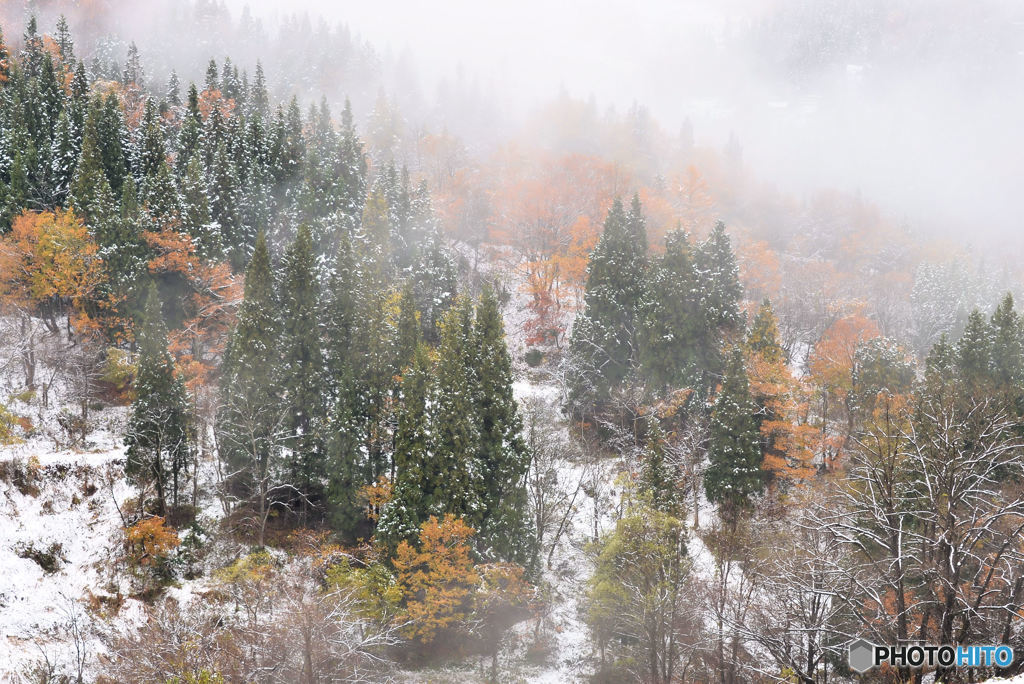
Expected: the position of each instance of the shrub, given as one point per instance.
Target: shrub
(533, 357)
(49, 559)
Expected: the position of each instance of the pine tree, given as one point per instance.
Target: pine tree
(151, 152)
(408, 329)
(91, 193)
(249, 423)
(341, 312)
(300, 377)
(604, 335)
(110, 138)
(190, 133)
(454, 425)
(195, 212)
(674, 336)
(64, 157)
(224, 194)
(1007, 344)
(658, 481)
(502, 452)
(420, 486)
(720, 284)
(157, 440)
(974, 351)
(734, 473)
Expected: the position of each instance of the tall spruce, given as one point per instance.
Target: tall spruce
(249, 427)
(675, 339)
(301, 372)
(603, 341)
(734, 474)
(720, 284)
(420, 484)
(157, 440)
(502, 452)
(454, 425)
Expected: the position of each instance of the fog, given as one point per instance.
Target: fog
(914, 104)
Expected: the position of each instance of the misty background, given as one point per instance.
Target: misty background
(913, 104)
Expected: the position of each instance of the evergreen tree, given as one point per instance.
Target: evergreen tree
(974, 351)
(300, 377)
(408, 329)
(195, 211)
(420, 486)
(603, 338)
(763, 335)
(157, 439)
(502, 451)
(719, 278)
(341, 312)
(454, 424)
(91, 193)
(675, 339)
(734, 473)
(658, 481)
(1007, 345)
(110, 138)
(249, 423)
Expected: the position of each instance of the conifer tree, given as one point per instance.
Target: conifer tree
(91, 193)
(720, 284)
(1007, 344)
(974, 351)
(734, 473)
(408, 329)
(195, 211)
(300, 376)
(110, 138)
(249, 426)
(454, 424)
(419, 488)
(763, 336)
(502, 452)
(157, 439)
(604, 335)
(674, 337)
(658, 481)
(341, 311)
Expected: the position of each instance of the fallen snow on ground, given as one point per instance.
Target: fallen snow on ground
(67, 509)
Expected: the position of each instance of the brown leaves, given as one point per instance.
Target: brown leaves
(439, 580)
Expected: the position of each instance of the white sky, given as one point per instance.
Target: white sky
(932, 147)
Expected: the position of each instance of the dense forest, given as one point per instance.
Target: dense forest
(293, 392)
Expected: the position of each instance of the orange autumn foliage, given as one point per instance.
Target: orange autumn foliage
(831, 361)
(788, 442)
(50, 263)
(375, 495)
(214, 294)
(150, 540)
(213, 99)
(438, 581)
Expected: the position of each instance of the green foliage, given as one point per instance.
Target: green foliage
(734, 473)
(636, 589)
(158, 444)
(676, 342)
(301, 364)
(502, 453)
(603, 341)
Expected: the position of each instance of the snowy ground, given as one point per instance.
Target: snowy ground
(66, 510)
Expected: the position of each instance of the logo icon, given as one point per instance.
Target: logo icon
(861, 656)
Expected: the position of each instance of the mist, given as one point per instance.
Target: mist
(913, 104)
